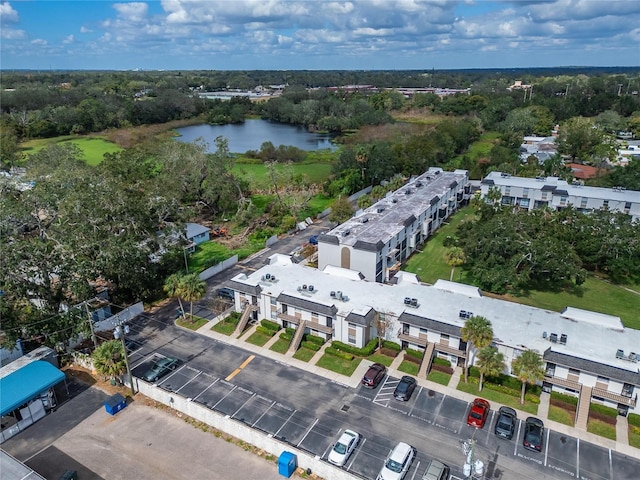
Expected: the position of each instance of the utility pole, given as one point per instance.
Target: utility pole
(93, 333)
(120, 332)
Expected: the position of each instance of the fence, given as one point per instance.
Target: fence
(219, 267)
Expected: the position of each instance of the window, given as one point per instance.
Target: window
(525, 192)
(544, 195)
(603, 380)
(583, 203)
(329, 322)
(272, 300)
(314, 317)
(563, 199)
(507, 190)
(351, 334)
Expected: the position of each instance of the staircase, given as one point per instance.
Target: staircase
(582, 415)
(426, 360)
(297, 337)
(244, 319)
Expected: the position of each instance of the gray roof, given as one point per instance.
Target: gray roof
(244, 287)
(430, 324)
(590, 366)
(195, 229)
(364, 320)
(309, 305)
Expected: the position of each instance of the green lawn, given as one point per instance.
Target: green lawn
(409, 367)
(498, 397)
(257, 338)
(304, 354)
(225, 326)
(561, 415)
(379, 358)
(595, 294)
(92, 147)
(195, 325)
(439, 377)
(481, 147)
(339, 365)
(634, 436)
(257, 174)
(601, 428)
(280, 346)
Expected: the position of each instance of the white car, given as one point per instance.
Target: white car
(345, 445)
(398, 462)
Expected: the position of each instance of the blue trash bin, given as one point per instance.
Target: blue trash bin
(287, 464)
(115, 403)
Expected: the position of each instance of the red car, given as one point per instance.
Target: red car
(478, 413)
(373, 376)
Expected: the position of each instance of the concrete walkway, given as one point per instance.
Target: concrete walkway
(621, 446)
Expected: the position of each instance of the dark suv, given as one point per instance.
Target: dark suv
(226, 293)
(506, 422)
(533, 434)
(405, 388)
(373, 376)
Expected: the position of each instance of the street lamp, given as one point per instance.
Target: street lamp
(119, 333)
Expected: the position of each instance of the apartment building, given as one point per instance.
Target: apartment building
(586, 353)
(378, 239)
(551, 192)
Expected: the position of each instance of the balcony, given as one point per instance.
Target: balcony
(422, 341)
(563, 382)
(319, 327)
(615, 397)
(288, 318)
(441, 347)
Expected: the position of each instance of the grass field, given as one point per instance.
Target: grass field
(93, 148)
(280, 346)
(498, 397)
(225, 326)
(409, 368)
(257, 338)
(191, 325)
(595, 294)
(257, 176)
(481, 147)
(339, 365)
(379, 358)
(601, 428)
(439, 377)
(561, 415)
(304, 354)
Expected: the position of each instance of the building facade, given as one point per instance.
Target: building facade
(551, 192)
(378, 239)
(584, 352)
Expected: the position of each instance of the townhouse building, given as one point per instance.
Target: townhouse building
(587, 354)
(551, 192)
(379, 238)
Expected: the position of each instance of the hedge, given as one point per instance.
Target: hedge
(265, 331)
(338, 353)
(442, 368)
(505, 381)
(564, 398)
(286, 336)
(414, 353)
(634, 419)
(365, 351)
(601, 412)
(314, 339)
(441, 361)
(290, 331)
(270, 325)
(391, 345)
(311, 345)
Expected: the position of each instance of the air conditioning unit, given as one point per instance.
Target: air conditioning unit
(304, 287)
(380, 209)
(333, 294)
(365, 220)
(563, 339)
(414, 302)
(273, 278)
(345, 298)
(311, 288)
(339, 294)
(463, 314)
(554, 337)
(407, 301)
(263, 278)
(268, 275)
(346, 232)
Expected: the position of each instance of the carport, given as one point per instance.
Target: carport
(21, 392)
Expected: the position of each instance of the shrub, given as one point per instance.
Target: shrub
(410, 352)
(564, 398)
(311, 346)
(365, 351)
(441, 361)
(290, 331)
(389, 352)
(634, 419)
(314, 339)
(411, 359)
(337, 353)
(286, 336)
(270, 325)
(442, 368)
(391, 345)
(265, 331)
(603, 413)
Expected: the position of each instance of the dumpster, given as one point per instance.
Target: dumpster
(114, 404)
(287, 463)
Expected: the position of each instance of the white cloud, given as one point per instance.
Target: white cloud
(68, 39)
(135, 12)
(39, 41)
(12, 34)
(7, 14)
(84, 29)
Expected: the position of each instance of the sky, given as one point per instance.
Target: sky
(317, 34)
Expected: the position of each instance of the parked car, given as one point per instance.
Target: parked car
(478, 413)
(397, 463)
(344, 447)
(533, 434)
(506, 422)
(160, 368)
(373, 376)
(405, 388)
(313, 240)
(226, 293)
(436, 471)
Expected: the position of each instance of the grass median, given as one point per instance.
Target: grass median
(339, 365)
(512, 401)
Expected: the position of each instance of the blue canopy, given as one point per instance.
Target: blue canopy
(19, 387)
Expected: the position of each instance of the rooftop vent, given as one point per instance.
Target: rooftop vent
(563, 339)
(333, 294)
(407, 301)
(346, 232)
(311, 288)
(414, 302)
(553, 337)
(465, 314)
(380, 209)
(364, 220)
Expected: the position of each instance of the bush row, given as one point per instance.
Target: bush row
(391, 345)
(414, 360)
(564, 398)
(286, 336)
(634, 419)
(290, 331)
(311, 345)
(442, 368)
(410, 352)
(270, 325)
(338, 353)
(601, 410)
(365, 351)
(506, 381)
(266, 331)
(441, 361)
(314, 339)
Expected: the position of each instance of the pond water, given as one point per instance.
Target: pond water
(251, 134)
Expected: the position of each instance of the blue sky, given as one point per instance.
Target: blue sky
(317, 34)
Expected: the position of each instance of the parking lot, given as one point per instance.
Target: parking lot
(427, 410)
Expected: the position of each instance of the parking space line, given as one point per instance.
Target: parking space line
(307, 432)
(359, 449)
(239, 369)
(170, 375)
(197, 374)
(414, 403)
(210, 385)
(330, 445)
(242, 406)
(577, 458)
(228, 393)
(546, 450)
(263, 413)
(286, 421)
(515, 446)
(416, 470)
(610, 465)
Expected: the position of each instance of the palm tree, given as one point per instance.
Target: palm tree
(192, 289)
(454, 258)
(490, 363)
(529, 368)
(108, 359)
(477, 330)
(172, 286)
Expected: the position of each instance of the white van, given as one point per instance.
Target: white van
(398, 462)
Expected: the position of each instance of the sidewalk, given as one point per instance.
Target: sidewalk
(621, 446)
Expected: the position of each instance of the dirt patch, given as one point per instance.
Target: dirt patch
(87, 377)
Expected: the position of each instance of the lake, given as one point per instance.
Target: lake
(251, 134)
